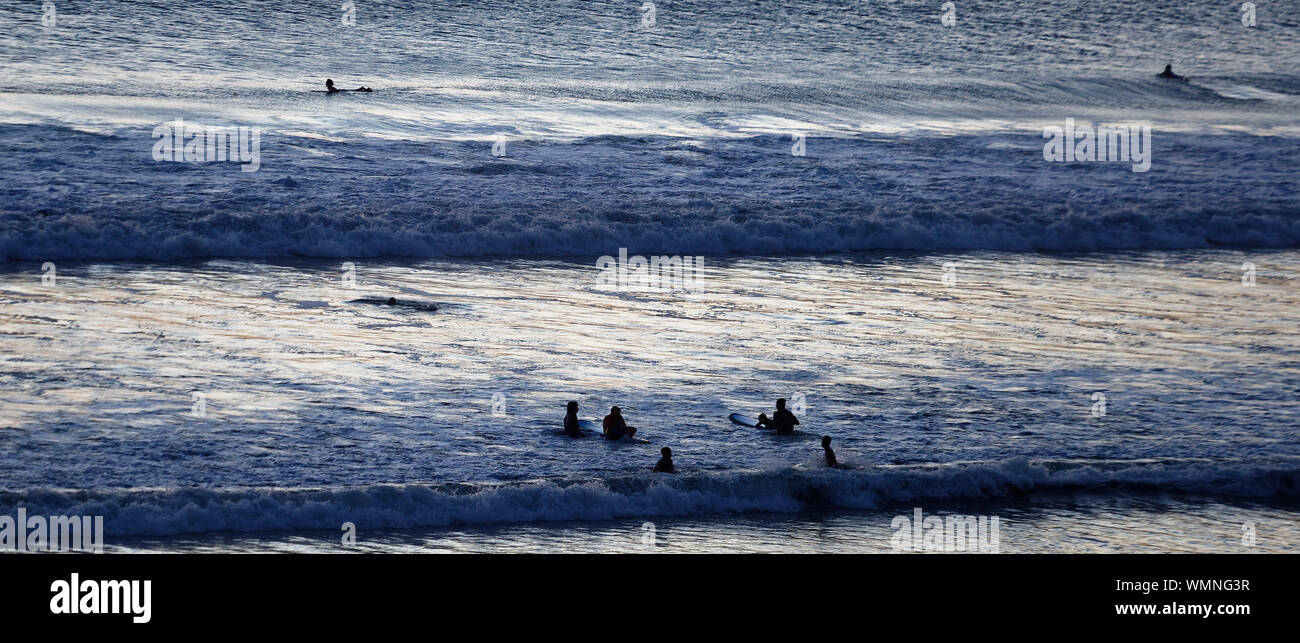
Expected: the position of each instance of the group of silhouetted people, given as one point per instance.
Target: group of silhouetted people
(615, 428)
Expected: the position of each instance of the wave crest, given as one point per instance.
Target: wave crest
(161, 512)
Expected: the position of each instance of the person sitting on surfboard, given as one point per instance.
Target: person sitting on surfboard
(830, 455)
(1169, 73)
(783, 421)
(616, 427)
(665, 464)
(571, 421)
(329, 87)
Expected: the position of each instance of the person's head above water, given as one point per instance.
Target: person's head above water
(573, 407)
(392, 301)
(780, 404)
(668, 453)
(615, 411)
(1169, 68)
(826, 441)
(329, 83)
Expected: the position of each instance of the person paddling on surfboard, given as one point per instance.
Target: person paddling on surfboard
(329, 87)
(665, 464)
(783, 421)
(616, 427)
(571, 421)
(1169, 73)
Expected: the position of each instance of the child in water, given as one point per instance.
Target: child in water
(830, 455)
(665, 464)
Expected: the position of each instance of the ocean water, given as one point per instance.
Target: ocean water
(321, 406)
(672, 138)
(1104, 359)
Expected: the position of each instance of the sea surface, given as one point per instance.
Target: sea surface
(1106, 360)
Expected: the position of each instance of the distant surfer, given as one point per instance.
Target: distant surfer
(329, 87)
(616, 427)
(1169, 73)
(571, 421)
(665, 464)
(392, 301)
(830, 455)
(783, 420)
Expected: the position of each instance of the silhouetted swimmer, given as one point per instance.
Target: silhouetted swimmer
(665, 464)
(1169, 73)
(329, 87)
(392, 301)
(783, 421)
(571, 421)
(830, 455)
(615, 427)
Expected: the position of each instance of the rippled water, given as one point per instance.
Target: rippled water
(703, 67)
(320, 403)
(1088, 524)
(673, 138)
(300, 382)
